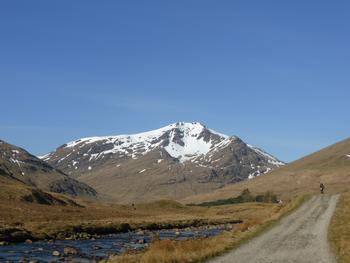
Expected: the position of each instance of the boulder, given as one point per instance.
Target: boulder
(28, 241)
(70, 251)
(97, 247)
(56, 253)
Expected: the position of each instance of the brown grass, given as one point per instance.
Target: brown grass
(51, 221)
(339, 232)
(167, 251)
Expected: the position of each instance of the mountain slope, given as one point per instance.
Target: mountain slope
(19, 165)
(175, 161)
(330, 166)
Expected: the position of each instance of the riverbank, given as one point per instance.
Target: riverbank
(90, 231)
(170, 251)
(91, 222)
(96, 249)
(20, 221)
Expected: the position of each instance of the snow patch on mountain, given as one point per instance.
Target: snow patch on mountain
(43, 157)
(193, 146)
(271, 159)
(257, 173)
(185, 142)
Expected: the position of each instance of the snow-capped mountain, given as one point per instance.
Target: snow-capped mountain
(189, 152)
(183, 141)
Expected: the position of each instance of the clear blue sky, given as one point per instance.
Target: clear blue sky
(275, 73)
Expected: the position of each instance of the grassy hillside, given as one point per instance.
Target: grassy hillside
(339, 232)
(15, 191)
(16, 163)
(330, 165)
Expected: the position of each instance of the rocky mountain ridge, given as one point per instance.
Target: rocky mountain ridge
(187, 155)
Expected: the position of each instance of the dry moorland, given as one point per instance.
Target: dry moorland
(66, 217)
(339, 231)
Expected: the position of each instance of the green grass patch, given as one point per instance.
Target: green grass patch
(245, 197)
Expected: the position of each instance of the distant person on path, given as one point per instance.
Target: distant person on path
(322, 188)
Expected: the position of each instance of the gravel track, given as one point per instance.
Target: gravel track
(301, 237)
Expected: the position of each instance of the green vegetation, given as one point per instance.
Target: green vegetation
(245, 197)
(41, 197)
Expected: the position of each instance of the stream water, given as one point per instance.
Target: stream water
(97, 249)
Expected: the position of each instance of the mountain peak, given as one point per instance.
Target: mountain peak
(175, 160)
(185, 125)
(182, 140)
(193, 128)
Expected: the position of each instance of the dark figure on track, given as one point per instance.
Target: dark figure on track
(322, 188)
